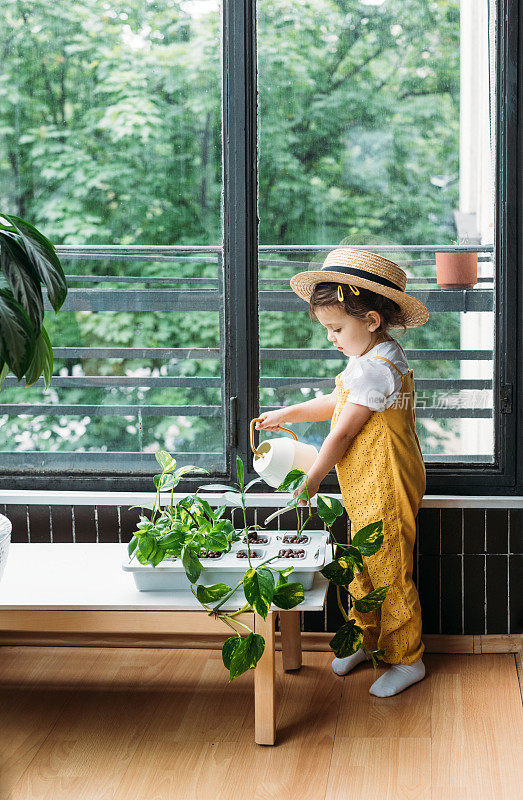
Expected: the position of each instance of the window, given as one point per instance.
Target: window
(377, 131)
(134, 137)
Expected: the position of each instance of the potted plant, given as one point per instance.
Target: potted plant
(27, 261)
(457, 270)
(190, 530)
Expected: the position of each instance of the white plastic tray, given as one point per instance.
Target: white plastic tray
(170, 575)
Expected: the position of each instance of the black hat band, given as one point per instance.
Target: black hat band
(363, 273)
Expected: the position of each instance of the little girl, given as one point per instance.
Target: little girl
(358, 297)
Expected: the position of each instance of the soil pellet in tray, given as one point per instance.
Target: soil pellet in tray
(291, 553)
(209, 554)
(244, 554)
(294, 539)
(255, 540)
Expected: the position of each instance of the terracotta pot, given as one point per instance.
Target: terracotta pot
(456, 270)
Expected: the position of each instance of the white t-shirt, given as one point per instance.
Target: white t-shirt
(373, 382)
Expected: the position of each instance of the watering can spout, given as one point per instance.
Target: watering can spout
(274, 458)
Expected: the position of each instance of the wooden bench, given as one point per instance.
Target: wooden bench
(78, 595)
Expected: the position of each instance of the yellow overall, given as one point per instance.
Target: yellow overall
(382, 476)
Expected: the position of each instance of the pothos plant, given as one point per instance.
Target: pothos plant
(191, 528)
(347, 559)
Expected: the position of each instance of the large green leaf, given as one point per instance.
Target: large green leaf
(44, 258)
(165, 460)
(339, 571)
(22, 279)
(372, 600)
(258, 585)
(229, 646)
(347, 640)
(17, 335)
(240, 471)
(191, 565)
(369, 539)
(328, 509)
(42, 361)
(292, 480)
(288, 595)
(209, 594)
(246, 655)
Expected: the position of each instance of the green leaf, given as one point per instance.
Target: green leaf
(292, 480)
(372, 600)
(184, 470)
(207, 508)
(354, 557)
(339, 571)
(22, 278)
(229, 646)
(191, 565)
(253, 483)
(174, 539)
(246, 654)
(146, 545)
(158, 556)
(42, 361)
(347, 640)
(163, 481)
(288, 595)
(216, 541)
(328, 509)
(282, 576)
(258, 585)
(133, 544)
(4, 372)
(209, 594)
(165, 460)
(44, 259)
(369, 539)
(240, 471)
(17, 335)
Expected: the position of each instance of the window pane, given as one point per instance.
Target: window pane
(377, 131)
(111, 146)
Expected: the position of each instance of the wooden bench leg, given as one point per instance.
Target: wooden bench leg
(264, 688)
(290, 639)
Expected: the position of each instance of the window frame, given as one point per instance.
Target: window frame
(240, 276)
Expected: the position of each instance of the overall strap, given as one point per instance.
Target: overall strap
(390, 362)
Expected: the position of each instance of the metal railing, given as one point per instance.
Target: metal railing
(154, 293)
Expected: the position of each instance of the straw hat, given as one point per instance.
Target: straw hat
(358, 268)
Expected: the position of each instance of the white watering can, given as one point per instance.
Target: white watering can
(274, 458)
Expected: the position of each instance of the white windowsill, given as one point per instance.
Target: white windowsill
(25, 497)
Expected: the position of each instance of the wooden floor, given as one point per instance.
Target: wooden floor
(124, 724)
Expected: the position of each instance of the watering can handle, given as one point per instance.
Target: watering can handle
(259, 419)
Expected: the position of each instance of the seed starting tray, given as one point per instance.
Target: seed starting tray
(170, 575)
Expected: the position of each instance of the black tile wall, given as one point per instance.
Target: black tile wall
(451, 593)
(474, 594)
(451, 530)
(474, 525)
(497, 593)
(468, 563)
(497, 530)
(62, 524)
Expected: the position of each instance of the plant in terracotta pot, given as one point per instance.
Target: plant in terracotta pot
(457, 270)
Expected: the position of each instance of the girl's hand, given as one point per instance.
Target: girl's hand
(271, 420)
(312, 487)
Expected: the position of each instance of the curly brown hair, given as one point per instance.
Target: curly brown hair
(357, 305)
